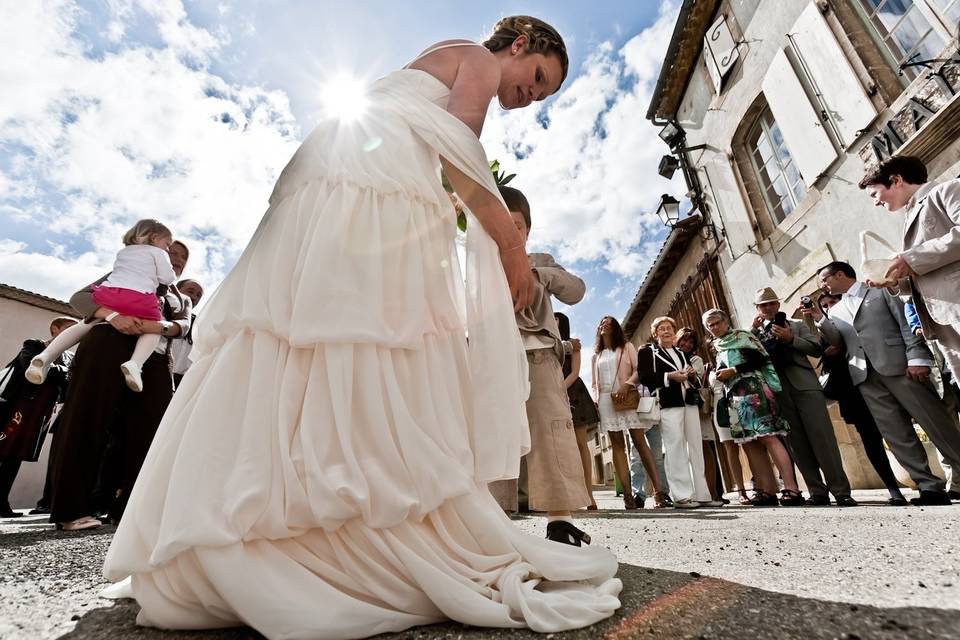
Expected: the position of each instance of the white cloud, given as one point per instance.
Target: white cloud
(101, 141)
(47, 274)
(591, 173)
(8, 246)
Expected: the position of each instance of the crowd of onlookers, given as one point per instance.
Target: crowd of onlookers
(888, 351)
(102, 404)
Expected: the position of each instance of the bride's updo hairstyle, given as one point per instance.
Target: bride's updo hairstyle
(541, 38)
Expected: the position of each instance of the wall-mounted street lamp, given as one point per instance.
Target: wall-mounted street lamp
(668, 166)
(669, 210)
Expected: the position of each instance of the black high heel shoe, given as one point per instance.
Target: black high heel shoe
(563, 531)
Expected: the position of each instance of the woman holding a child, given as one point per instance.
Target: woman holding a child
(106, 428)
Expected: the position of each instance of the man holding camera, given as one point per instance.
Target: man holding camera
(791, 344)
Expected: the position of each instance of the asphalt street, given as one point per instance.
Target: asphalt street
(734, 572)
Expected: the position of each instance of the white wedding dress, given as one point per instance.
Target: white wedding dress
(321, 472)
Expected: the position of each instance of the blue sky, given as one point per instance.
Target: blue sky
(114, 110)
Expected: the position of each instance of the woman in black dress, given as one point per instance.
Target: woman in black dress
(100, 408)
(582, 408)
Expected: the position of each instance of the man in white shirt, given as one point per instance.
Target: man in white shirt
(891, 368)
(180, 347)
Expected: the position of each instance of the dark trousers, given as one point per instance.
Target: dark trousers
(8, 474)
(812, 441)
(99, 404)
(855, 411)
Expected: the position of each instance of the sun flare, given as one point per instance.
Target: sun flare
(344, 96)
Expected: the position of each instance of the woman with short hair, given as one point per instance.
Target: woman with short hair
(668, 372)
(688, 342)
(100, 408)
(750, 383)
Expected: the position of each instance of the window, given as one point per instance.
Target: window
(949, 10)
(779, 178)
(913, 30)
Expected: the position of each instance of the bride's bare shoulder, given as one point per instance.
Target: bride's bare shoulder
(445, 61)
(447, 47)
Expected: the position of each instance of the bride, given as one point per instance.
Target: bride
(321, 471)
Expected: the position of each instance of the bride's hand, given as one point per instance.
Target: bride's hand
(519, 276)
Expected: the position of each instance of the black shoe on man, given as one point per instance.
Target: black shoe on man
(931, 499)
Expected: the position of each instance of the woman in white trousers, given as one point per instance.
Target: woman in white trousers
(667, 370)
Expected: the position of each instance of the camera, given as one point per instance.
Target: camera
(806, 302)
(780, 319)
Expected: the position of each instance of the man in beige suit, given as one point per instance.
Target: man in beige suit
(928, 267)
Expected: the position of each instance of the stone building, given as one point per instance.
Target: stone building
(774, 111)
(24, 314)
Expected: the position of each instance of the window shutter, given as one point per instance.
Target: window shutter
(803, 133)
(720, 52)
(847, 105)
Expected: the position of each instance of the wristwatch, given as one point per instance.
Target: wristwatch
(164, 327)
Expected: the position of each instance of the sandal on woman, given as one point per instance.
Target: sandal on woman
(563, 531)
(80, 524)
(629, 502)
(790, 498)
(763, 499)
(592, 507)
(661, 500)
(745, 500)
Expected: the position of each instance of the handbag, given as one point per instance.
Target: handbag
(648, 407)
(706, 402)
(691, 397)
(624, 400)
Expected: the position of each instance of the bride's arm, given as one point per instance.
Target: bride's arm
(476, 83)
(496, 221)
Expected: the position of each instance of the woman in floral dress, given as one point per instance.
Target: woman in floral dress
(750, 383)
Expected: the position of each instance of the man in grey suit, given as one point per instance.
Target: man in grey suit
(891, 368)
(928, 268)
(802, 402)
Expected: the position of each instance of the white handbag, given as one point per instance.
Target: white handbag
(648, 409)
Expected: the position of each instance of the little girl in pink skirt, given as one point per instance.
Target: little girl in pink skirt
(130, 290)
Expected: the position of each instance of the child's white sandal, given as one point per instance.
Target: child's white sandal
(131, 374)
(37, 371)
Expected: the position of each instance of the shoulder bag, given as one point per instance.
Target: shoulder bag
(626, 400)
(648, 407)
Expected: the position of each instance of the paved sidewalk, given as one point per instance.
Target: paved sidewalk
(736, 572)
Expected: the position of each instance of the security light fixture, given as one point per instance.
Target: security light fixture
(672, 134)
(669, 210)
(668, 166)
